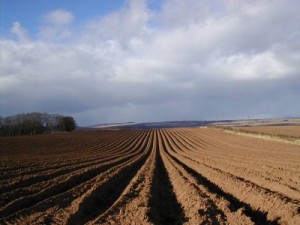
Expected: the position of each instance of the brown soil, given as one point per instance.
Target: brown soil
(282, 131)
(167, 176)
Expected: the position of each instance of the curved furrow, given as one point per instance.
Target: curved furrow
(199, 207)
(43, 182)
(101, 196)
(233, 203)
(44, 168)
(49, 209)
(234, 189)
(23, 181)
(64, 146)
(46, 180)
(58, 197)
(211, 157)
(40, 166)
(111, 146)
(195, 133)
(65, 204)
(133, 206)
(61, 186)
(190, 143)
(233, 210)
(165, 176)
(239, 148)
(270, 151)
(200, 142)
(250, 175)
(199, 159)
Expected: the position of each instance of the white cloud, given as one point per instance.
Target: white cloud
(177, 13)
(209, 58)
(123, 26)
(57, 25)
(20, 32)
(59, 17)
(262, 66)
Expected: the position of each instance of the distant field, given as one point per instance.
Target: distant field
(154, 176)
(258, 122)
(284, 131)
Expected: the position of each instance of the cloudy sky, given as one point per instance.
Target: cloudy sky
(155, 60)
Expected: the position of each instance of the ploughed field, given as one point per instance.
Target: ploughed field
(282, 131)
(166, 176)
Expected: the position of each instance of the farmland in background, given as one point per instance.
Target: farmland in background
(281, 131)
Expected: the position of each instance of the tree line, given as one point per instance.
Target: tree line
(35, 123)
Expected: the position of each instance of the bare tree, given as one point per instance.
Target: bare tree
(35, 123)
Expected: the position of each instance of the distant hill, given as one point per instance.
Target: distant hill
(197, 123)
(112, 125)
(153, 125)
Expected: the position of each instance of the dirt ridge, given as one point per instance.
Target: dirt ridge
(161, 176)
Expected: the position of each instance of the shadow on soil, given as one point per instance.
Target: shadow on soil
(164, 208)
(257, 216)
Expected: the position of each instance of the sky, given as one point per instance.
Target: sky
(155, 60)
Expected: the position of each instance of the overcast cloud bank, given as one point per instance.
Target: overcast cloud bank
(189, 60)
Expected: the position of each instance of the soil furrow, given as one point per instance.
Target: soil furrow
(275, 206)
(255, 178)
(56, 189)
(199, 206)
(92, 171)
(101, 198)
(256, 216)
(165, 176)
(164, 207)
(133, 205)
(60, 187)
(58, 199)
(253, 174)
